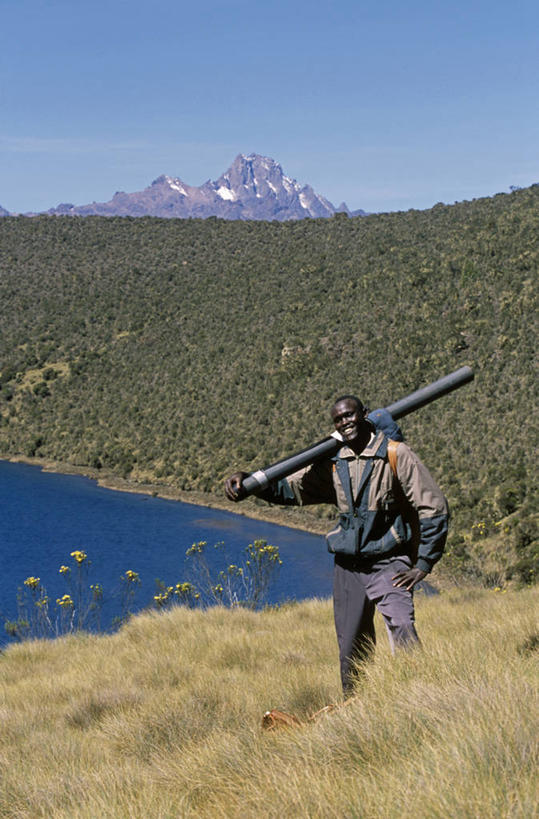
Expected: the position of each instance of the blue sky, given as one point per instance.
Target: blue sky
(385, 104)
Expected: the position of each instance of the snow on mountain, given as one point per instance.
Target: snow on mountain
(254, 187)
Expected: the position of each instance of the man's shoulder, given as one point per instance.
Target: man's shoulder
(403, 452)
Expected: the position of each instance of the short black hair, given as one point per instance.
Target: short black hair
(354, 398)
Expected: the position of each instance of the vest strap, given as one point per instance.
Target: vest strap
(392, 455)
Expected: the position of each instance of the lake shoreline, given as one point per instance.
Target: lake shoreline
(250, 508)
(50, 513)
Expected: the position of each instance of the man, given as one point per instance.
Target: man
(377, 559)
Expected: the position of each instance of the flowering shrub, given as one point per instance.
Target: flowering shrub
(479, 530)
(79, 608)
(234, 585)
(186, 594)
(130, 580)
(33, 611)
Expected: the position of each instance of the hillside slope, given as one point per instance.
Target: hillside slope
(162, 719)
(174, 351)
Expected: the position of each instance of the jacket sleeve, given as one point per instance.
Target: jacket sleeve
(428, 500)
(313, 484)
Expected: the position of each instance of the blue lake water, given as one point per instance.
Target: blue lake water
(46, 516)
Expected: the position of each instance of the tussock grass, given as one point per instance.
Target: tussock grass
(163, 718)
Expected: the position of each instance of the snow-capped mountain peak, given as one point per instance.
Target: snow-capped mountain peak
(253, 187)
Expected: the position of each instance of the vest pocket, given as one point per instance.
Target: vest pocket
(397, 533)
(346, 536)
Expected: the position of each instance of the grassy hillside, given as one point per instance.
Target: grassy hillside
(173, 351)
(162, 719)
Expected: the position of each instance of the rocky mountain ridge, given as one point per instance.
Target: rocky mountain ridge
(254, 187)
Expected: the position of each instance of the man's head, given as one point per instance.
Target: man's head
(348, 414)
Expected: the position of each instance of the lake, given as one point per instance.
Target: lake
(46, 516)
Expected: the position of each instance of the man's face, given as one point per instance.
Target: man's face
(349, 419)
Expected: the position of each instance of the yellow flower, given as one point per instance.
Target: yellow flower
(32, 582)
(79, 556)
(184, 588)
(131, 576)
(65, 601)
(64, 569)
(197, 548)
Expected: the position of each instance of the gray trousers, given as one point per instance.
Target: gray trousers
(357, 590)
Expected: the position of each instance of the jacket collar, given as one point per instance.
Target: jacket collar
(376, 448)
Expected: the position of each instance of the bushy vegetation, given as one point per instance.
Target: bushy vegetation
(173, 351)
(163, 718)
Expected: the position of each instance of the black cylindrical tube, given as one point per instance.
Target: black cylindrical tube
(430, 393)
(259, 480)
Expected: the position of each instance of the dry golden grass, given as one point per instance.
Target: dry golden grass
(163, 718)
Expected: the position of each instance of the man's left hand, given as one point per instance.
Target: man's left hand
(408, 579)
